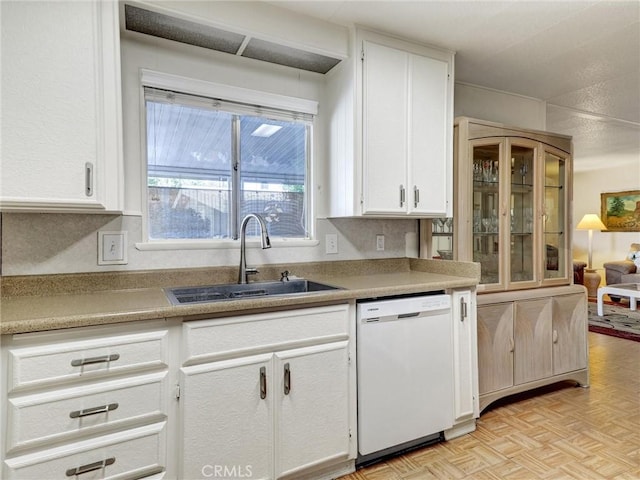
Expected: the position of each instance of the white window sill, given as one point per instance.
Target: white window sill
(222, 244)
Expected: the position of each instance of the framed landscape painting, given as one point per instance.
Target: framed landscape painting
(620, 211)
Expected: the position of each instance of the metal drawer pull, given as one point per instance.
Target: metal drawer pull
(88, 180)
(463, 309)
(102, 359)
(287, 379)
(263, 383)
(416, 196)
(402, 195)
(72, 472)
(93, 411)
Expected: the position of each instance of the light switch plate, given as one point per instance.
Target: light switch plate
(331, 243)
(112, 248)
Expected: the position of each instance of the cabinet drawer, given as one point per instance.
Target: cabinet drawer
(228, 337)
(60, 414)
(134, 453)
(86, 359)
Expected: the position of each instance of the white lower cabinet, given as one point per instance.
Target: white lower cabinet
(134, 453)
(86, 403)
(465, 358)
(278, 406)
(226, 424)
(311, 407)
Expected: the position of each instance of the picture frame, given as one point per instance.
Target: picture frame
(620, 211)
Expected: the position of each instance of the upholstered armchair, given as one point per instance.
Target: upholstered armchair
(622, 271)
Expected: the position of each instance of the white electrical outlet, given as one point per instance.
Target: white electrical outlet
(331, 243)
(112, 248)
(380, 242)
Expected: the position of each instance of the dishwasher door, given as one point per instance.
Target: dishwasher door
(405, 371)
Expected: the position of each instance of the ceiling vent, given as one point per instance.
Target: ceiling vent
(205, 36)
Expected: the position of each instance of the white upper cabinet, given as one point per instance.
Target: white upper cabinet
(391, 130)
(61, 107)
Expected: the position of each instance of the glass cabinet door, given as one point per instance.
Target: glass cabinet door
(511, 206)
(522, 213)
(554, 219)
(486, 246)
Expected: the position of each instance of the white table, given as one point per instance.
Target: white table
(631, 290)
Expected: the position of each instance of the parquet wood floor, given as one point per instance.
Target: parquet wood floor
(561, 432)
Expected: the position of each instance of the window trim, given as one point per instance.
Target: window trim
(203, 88)
(167, 81)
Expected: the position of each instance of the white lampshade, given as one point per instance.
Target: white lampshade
(591, 221)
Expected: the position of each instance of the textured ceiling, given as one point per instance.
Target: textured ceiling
(581, 57)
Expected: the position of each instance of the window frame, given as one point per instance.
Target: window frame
(233, 95)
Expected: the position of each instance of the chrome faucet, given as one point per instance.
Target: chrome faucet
(244, 272)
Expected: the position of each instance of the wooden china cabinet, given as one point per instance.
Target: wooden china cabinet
(512, 214)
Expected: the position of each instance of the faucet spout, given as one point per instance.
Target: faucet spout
(243, 271)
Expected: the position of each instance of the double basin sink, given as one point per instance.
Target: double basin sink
(237, 291)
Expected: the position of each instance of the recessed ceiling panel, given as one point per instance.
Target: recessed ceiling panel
(179, 30)
(291, 57)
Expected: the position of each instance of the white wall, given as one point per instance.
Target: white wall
(501, 107)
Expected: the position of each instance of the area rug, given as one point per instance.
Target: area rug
(618, 321)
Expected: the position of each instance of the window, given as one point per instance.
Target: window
(211, 162)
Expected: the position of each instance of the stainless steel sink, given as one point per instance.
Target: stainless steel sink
(236, 291)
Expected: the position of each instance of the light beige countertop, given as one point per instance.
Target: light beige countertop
(31, 304)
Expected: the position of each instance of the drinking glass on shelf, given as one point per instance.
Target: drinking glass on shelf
(486, 171)
(494, 172)
(477, 224)
(486, 222)
(477, 171)
(449, 224)
(523, 171)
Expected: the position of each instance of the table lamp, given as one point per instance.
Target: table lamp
(591, 222)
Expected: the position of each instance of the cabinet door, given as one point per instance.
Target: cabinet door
(569, 333)
(487, 197)
(312, 418)
(465, 369)
(522, 229)
(61, 125)
(227, 418)
(495, 347)
(429, 155)
(384, 123)
(533, 340)
(556, 252)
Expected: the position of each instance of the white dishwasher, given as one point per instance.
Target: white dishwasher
(405, 374)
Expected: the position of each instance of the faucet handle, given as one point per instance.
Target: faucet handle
(284, 276)
(251, 271)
